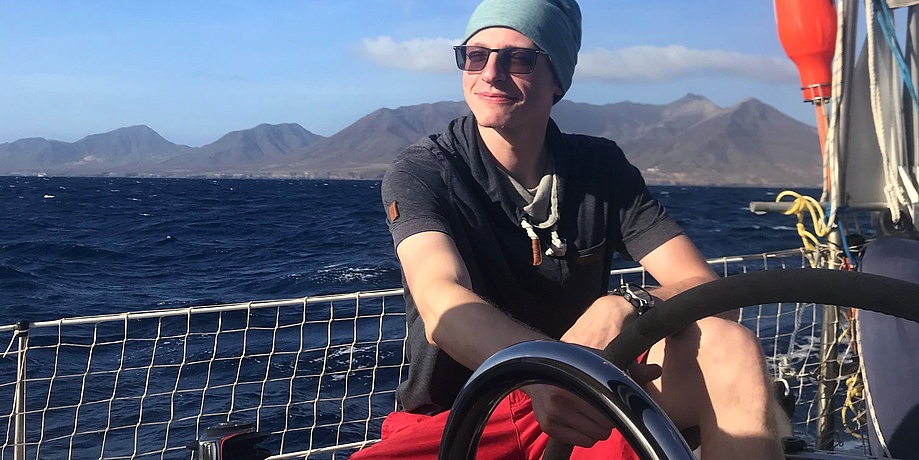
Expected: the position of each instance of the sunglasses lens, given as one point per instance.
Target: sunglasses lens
(513, 60)
(476, 58)
(471, 58)
(460, 53)
(518, 60)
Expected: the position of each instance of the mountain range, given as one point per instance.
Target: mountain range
(690, 141)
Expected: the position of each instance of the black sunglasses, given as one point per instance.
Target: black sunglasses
(513, 60)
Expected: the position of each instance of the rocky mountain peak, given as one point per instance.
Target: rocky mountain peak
(688, 141)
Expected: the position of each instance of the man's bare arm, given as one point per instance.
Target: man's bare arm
(678, 265)
(456, 319)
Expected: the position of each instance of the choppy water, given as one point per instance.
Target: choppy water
(81, 246)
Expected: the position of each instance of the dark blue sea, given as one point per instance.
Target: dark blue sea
(87, 246)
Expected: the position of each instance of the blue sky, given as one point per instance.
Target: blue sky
(195, 70)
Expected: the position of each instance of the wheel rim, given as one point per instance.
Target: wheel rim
(515, 367)
(578, 370)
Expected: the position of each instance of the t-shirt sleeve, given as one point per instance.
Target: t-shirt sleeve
(413, 200)
(645, 222)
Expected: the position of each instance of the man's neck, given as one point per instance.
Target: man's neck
(524, 155)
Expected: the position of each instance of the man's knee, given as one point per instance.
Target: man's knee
(711, 341)
(716, 353)
(728, 343)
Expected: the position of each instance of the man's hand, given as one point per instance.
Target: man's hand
(643, 374)
(601, 322)
(566, 417)
(569, 419)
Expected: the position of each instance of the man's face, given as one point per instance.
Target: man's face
(500, 100)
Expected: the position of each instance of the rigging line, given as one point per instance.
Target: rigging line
(10, 346)
(893, 190)
(853, 264)
(885, 20)
(830, 153)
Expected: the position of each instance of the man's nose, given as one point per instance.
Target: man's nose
(493, 70)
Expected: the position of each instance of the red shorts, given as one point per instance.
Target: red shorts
(511, 433)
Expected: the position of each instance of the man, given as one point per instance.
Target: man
(505, 229)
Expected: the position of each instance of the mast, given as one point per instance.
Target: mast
(807, 31)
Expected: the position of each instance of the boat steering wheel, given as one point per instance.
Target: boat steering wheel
(599, 380)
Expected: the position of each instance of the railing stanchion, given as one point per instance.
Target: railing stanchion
(828, 382)
(19, 402)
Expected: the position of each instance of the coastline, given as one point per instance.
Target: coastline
(377, 177)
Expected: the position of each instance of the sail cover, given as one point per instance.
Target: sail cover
(889, 350)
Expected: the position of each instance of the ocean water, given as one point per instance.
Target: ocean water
(86, 246)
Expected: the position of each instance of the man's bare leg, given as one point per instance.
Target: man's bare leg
(714, 377)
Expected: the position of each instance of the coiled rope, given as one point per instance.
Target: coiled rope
(801, 205)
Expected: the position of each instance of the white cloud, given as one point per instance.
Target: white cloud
(636, 64)
(652, 63)
(417, 54)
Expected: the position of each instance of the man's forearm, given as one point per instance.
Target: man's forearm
(665, 292)
(469, 329)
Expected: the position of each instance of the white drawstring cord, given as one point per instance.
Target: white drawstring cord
(557, 246)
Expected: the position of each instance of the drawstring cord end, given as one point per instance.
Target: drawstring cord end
(534, 241)
(557, 246)
(537, 254)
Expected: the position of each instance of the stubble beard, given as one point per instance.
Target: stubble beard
(495, 117)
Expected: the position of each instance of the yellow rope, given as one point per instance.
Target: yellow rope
(854, 396)
(800, 205)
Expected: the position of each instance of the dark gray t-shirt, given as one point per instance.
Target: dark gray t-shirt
(443, 184)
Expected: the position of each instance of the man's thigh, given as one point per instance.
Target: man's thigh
(711, 349)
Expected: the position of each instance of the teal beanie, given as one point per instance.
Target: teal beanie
(553, 25)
